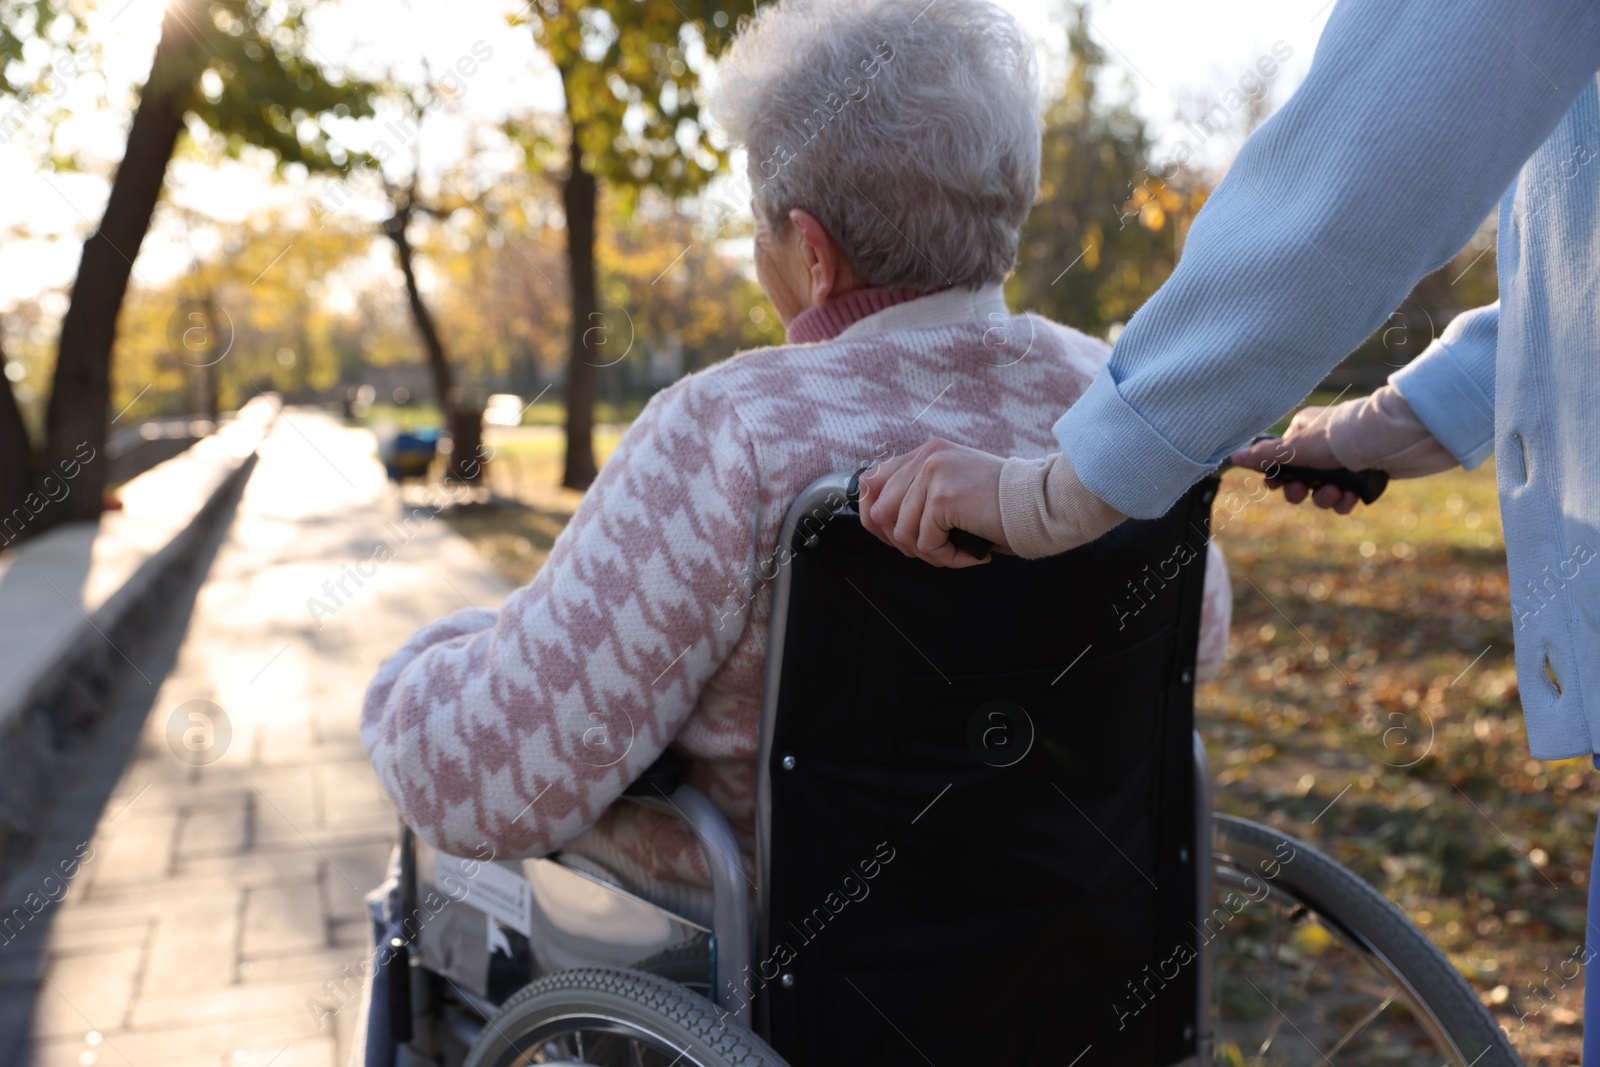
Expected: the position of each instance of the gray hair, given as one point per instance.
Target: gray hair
(909, 129)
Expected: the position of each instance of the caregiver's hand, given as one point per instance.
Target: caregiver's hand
(1378, 432)
(912, 501)
(1304, 444)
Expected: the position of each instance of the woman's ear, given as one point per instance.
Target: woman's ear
(829, 273)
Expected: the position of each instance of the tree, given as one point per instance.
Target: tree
(682, 292)
(240, 68)
(27, 89)
(462, 417)
(632, 120)
(252, 313)
(464, 420)
(497, 299)
(1105, 232)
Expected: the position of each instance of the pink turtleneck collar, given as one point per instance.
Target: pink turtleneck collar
(830, 320)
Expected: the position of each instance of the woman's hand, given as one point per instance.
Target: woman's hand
(1304, 444)
(911, 502)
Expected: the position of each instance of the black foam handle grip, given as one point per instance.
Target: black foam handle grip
(1368, 485)
(973, 545)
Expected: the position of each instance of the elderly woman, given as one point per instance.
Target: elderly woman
(893, 154)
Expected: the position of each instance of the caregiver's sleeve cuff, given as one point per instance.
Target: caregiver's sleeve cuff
(1045, 509)
(1451, 385)
(1120, 457)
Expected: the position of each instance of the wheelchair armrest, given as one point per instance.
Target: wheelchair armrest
(661, 788)
(660, 778)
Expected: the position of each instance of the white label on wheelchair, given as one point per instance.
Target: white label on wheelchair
(497, 891)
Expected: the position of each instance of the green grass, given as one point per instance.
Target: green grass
(549, 448)
(553, 412)
(1370, 682)
(516, 541)
(546, 412)
(406, 417)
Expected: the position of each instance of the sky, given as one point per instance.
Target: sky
(1170, 57)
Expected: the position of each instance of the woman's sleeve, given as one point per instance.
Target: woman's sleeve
(512, 732)
(1451, 385)
(1413, 120)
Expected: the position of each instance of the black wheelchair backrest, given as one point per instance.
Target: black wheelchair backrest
(977, 799)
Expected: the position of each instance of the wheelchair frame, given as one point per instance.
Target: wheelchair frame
(573, 901)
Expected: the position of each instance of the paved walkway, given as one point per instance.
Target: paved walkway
(218, 867)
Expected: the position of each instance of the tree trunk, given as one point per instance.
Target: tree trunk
(208, 373)
(80, 395)
(578, 196)
(202, 376)
(16, 473)
(466, 443)
(464, 422)
(438, 363)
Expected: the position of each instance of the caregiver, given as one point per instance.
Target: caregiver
(1414, 118)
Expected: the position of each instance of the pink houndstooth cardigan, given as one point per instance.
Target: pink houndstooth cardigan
(647, 627)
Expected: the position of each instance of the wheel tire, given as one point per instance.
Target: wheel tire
(1357, 909)
(688, 965)
(653, 1004)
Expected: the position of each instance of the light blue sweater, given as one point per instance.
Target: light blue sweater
(1416, 116)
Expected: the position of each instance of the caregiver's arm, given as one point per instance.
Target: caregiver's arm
(512, 732)
(1413, 119)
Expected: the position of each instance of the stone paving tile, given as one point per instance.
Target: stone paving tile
(70, 937)
(132, 851)
(188, 953)
(282, 920)
(88, 991)
(249, 1043)
(221, 901)
(289, 861)
(222, 827)
(258, 1000)
(148, 901)
(353, 871)
(326, 964)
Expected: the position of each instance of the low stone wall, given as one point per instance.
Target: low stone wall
(75, 604)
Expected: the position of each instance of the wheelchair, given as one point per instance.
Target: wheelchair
(984, 836)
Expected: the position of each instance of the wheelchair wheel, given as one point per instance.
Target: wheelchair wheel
(614, 1017)
(1312, 965)
(688, 965)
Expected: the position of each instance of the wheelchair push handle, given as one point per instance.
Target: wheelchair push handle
(1368, 485)
(973, 545)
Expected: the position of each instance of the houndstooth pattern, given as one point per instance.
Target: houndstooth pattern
(647, 626)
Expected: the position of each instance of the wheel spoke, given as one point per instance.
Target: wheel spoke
(1327, 983)
(1304, 986)
(1362, 1024)
(1272, 960)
